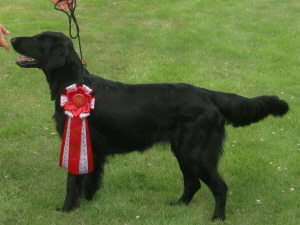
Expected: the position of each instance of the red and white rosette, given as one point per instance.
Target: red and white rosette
(76, 150)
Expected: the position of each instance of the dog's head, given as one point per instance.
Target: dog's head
(47, 51)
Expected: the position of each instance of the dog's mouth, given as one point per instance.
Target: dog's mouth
(26, 61)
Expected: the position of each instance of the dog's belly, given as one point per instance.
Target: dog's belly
(116, 140)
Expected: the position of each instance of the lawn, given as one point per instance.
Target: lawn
(249, 48)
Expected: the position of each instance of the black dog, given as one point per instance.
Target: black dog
(134, 117)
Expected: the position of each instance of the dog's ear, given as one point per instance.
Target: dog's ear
(56, 57)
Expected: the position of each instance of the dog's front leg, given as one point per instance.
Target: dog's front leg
(74, 192)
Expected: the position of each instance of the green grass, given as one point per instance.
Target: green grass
(246, 47)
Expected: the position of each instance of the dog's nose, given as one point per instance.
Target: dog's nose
(13, 40)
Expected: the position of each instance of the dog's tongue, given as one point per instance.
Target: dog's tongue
(25, 59)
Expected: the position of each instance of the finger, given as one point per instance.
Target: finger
(3, 42)
(6, 46)
(64, 7)
(69, 6)
(4, 30)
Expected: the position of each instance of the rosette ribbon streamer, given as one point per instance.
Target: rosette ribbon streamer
(76, 150)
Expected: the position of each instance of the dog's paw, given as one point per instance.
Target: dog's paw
(218, 218)
(177, 203)
(89, 198)
(63, 209)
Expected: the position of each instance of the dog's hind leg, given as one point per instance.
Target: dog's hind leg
(208, 172)
(191, 180)
(74, 192)
(218, 188)
(197, 146)
(187, 143)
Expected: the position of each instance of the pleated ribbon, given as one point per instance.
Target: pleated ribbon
(76, 150)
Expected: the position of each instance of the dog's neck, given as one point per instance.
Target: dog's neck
(72, 72)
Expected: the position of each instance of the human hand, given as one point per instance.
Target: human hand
(64, 4)
(2, 40)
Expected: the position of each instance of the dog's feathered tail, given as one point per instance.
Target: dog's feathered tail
(241, 111)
